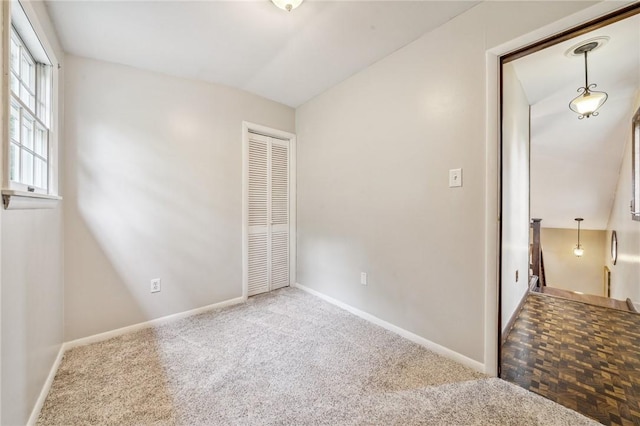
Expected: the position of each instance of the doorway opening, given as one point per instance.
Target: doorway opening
(556, 318)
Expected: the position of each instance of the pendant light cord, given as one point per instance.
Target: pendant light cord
(579, 228)
(586, 72)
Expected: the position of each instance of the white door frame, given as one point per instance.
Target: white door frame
(267, 131)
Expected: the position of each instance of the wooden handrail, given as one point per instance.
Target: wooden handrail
(537, 262)
(543, 275)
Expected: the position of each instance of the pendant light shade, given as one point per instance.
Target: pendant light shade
(578, 250)
(589, 100)
(287, 5)
(587, 103)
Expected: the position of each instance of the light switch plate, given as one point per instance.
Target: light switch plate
(455, 178)
(363, 278)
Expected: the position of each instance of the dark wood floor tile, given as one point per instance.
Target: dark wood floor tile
(582, 356)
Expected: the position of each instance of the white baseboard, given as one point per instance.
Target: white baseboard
(153, 323)
(35, 413)
(441, 350)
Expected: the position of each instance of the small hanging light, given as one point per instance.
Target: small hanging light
(287, 5)
(578, 250)
(588, 101)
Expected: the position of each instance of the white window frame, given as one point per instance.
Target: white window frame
(34, 114)
(21, 18)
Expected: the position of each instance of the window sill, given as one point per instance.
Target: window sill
(23, 200)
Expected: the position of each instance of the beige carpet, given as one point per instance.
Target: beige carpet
(282, 358)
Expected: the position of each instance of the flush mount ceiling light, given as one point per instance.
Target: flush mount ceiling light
(287, 5)
(578, 250)
(588, 101)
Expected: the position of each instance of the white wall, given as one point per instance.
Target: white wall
(32, 289)
(625, 274)
(515, 194)
(373, 160)
(153, 190)
(566, 271)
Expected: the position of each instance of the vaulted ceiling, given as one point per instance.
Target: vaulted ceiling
(292, 57)
(250, 45)
(575, 164)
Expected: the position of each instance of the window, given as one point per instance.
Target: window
(635, 166)
(31, 131)
(30, 106)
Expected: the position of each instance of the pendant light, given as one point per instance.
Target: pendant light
(588, 101)
(578, 250)
(287, 5)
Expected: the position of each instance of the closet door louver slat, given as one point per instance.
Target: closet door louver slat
(258, 281)
(257, 183)
(279, 259)
(279, 184)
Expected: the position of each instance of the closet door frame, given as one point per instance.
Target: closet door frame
(279, 134)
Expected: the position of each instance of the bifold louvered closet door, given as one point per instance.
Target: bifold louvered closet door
(268, 214)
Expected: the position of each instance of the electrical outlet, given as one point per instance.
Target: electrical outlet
(363, 278)
(155, 285)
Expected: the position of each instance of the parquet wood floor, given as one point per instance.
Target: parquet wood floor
(582, 356)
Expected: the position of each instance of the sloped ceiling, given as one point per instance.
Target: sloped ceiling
(575, 164)
(251, 45)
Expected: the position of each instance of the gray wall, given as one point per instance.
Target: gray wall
(373, 160)
(32, 289)
(566, 271)
(153, 190)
